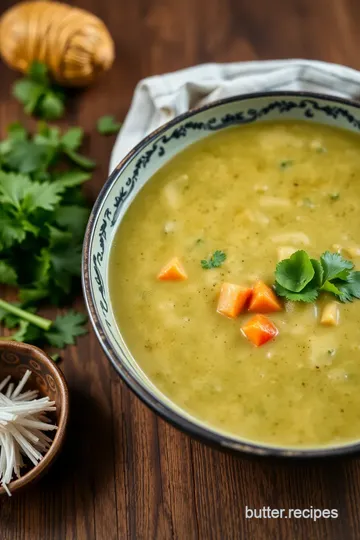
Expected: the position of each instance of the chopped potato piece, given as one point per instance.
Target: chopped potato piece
(273, 202)
(351, 252)
(331, 314)
(291, 237)
(284, 252)
(172, 271)
(232, 299)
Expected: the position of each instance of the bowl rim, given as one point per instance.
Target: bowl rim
(38, 470)
(201, 432)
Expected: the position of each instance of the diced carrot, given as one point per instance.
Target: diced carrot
(263, 299)
(232, 299)
(259, 330)
(172, 271)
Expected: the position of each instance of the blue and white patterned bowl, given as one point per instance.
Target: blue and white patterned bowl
(122, 187)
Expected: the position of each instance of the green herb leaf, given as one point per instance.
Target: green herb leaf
(28, 93)
(350, 289)
(334, 266)
(296, 272)
(8, 275)
(81, 161)
(11, 230)
(13, 188)
(26, 157)
(17, 132)
(72, 139)
(39, 72)
(44, 195)
(51, 106)
(72, 178)
(107, 125)
(214, 261)
(73, 218)
(308, 294)
(331, 274)
(66, 328)
(334, 196)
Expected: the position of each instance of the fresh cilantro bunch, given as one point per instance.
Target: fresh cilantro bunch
(216, 260)
(301, 278)
(43, 216)
(38, 95)
(42, 212)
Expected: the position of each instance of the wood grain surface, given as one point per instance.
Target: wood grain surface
(124, 473)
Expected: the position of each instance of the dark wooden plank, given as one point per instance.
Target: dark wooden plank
(124, 473)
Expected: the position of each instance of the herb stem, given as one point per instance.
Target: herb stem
(45, 324)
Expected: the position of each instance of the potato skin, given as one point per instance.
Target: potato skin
(74, 44)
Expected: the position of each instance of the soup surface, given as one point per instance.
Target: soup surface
(247, 191)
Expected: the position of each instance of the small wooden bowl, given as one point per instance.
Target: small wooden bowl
(15, 359)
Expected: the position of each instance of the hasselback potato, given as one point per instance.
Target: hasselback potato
(74, 44)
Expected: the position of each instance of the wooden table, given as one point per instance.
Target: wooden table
(124, 473)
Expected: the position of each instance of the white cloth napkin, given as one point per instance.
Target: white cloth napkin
(162, 97)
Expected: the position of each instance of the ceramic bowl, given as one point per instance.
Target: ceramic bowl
(15, 360)
(135, 170)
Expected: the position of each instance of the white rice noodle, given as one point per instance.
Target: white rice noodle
(23, 421)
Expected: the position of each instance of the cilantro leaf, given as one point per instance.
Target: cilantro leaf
(17, 132)
(13, 188)
(317, 280)
(216, 260)
(38, 95)
(51, 106)
(28, 92)
(81, 161)
(72, 178)
(26, 156)
(73, 218)
(42, 195)
(107, 125)
(65, 328)
(72, 139)
(58, 237)
(39, 72)
(350, 289)
(65, 264)
(30, 296)
(296, 272)
(308, 294)
(331, 274)
(8, 275)
(27, 333)
(11, 230)
(334, 266)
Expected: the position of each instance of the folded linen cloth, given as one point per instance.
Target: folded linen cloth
(160, 98)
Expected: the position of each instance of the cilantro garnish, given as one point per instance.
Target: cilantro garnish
(107, 125)
(301, 278)
(38, 95)
(216, 260)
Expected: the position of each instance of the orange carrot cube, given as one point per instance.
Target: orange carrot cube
(264, 299)
(232, 299)
(259, 330)
(172, 271)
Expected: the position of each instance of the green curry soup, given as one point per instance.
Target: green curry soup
(250, 192)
